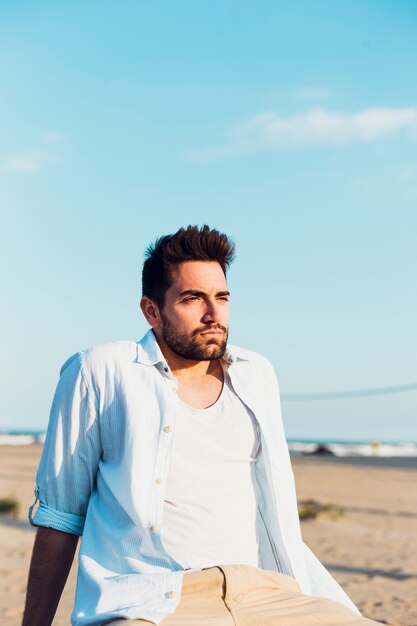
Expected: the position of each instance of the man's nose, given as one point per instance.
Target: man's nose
(212, 313)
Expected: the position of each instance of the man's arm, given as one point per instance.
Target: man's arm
(52, 557)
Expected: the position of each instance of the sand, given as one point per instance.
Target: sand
(371, 550)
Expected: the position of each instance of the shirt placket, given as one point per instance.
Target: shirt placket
(266, 486)
(163, 455)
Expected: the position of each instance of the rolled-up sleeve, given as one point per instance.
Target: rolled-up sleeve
(68, 467)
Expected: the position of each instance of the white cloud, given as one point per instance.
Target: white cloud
(53, 136)
(315, 128)
(26, 163)
(33, 160)
(19, 164)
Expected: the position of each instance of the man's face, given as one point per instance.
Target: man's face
(194, 319)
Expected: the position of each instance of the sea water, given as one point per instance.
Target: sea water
(297, 446)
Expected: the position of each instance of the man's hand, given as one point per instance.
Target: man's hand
(52, 557)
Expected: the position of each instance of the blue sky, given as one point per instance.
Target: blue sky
(292, 126)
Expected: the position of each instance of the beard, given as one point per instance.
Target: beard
(192, 346)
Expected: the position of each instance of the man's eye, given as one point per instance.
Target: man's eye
(190, 298)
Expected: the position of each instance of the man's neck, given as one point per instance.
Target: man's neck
(199, 371)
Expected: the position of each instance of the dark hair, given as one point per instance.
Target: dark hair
(187, 244)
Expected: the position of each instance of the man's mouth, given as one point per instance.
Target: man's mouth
(212, 332)
(208, 332)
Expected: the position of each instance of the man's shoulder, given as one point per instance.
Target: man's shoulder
(238, 354)
(108, 353)
(252, 368)
(103, 355)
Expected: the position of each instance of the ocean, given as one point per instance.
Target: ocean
(297, 446)
(353, 448)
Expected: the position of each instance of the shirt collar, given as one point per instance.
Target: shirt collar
(149, 352)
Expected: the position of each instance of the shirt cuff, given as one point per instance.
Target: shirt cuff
(51, 518)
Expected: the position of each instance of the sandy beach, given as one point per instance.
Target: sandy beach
(370, 548)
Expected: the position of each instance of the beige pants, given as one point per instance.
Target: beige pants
(241, 595)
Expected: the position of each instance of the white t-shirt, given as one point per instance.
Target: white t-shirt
(210, 509)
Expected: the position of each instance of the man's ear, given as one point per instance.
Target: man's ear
(151, 311)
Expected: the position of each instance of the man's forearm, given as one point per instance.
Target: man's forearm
(52, 557)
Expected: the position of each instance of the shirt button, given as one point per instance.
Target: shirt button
(166, 369)
(159, 481)
(154, 530)
(171, 594)
(168, 429)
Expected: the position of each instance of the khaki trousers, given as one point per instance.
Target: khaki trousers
(241, 595)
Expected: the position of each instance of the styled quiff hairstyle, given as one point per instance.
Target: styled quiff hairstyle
(187, 244)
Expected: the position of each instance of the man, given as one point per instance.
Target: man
(169, 458)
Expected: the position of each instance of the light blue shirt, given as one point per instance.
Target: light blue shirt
(105, 463)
